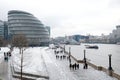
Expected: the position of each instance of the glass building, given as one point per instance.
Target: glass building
(1, 29)
(5, 30)
(20, 22)
(48, 28)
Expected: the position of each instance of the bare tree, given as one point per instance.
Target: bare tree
(20, 41)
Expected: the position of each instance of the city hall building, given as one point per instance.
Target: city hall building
(20, 22)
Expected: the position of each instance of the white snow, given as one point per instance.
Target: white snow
(33, 62)
(37, 59)
(59, 69)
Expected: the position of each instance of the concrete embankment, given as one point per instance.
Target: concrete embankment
(100, 68)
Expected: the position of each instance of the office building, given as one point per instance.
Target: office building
(1, 29)
(6, 30)
(20, 22)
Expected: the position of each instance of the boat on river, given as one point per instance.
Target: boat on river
(92, 47)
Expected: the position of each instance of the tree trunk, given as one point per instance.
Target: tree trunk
(21, 62)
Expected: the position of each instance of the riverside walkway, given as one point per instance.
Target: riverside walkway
(59, 69)
(4, 65)
(4, 70)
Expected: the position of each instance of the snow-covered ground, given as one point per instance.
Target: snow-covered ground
(59, 69)
(32, 61)
(42, 60)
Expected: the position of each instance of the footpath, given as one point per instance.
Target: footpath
(4, 70)
(58, 69)
(4, 65)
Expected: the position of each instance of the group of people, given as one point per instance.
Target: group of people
(60, 54)
(61, 57)
(7, 55)
(57, 52)
(74, 66)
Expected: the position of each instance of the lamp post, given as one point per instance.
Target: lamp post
(64, 48)
(84, 55)
(69, 55)
(110, 70)
(85, 63)
(110, 67)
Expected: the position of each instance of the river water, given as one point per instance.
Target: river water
(98, 56)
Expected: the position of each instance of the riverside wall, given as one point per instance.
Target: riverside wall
(100, 68)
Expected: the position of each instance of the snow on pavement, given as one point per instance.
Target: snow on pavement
(56, 68)
(59, 69)
(3, 65)
(33, 62)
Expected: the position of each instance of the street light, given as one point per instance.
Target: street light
(84, 54)
(110, 67)
(69, 55)
(85, 63)
(64, 48)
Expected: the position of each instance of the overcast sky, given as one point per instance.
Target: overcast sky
(68, 17)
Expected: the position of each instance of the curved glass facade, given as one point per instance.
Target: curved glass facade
(20, 22)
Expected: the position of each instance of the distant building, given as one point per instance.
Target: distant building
(76, 37)
(114, 37)
(1, 29)
(98, 39)
(5, 30)
(80, 38)
(20, 22)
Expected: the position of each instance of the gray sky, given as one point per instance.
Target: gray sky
(67, 17)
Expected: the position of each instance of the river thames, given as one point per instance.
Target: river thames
(98, 56)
